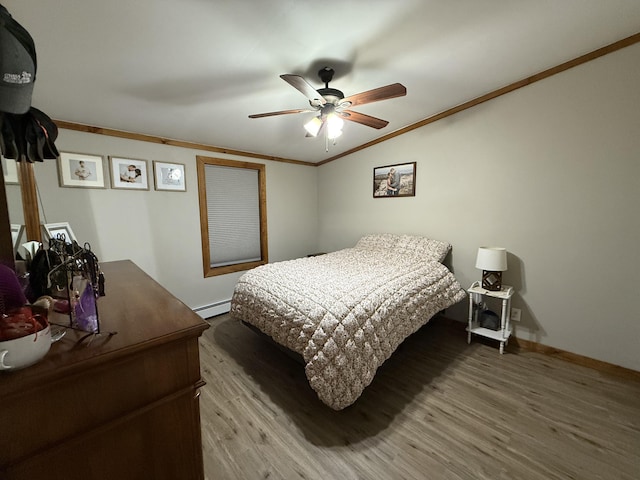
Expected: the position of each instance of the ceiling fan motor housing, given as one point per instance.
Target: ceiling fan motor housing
(333, 94)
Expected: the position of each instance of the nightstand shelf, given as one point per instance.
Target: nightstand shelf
(504, 332)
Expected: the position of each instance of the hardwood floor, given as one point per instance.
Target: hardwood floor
(437, 409)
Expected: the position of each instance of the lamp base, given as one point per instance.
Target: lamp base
(491, 280)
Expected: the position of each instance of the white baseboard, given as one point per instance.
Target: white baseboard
(218, 308)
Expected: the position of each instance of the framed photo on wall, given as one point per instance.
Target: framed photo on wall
(169, 176)
(81, 170)
(129, 173)
(395, 180)
(10, 171)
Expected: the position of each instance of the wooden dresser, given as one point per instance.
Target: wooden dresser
(121, 407)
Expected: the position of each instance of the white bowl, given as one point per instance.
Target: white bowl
(24, 351)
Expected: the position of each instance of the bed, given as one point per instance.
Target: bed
(346, 312)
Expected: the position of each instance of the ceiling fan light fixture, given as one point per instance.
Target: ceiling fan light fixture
(313, 126)
(334, 126)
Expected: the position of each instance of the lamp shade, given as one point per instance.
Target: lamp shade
(313, 126)
(492, 259)
(334, 126)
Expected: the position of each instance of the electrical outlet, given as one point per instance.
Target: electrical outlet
(515, 314)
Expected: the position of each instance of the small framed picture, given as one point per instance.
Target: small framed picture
(129, 173)
(395, 180)
(81, 170)
(10, 171)
(169, 176)
(61, 231)
(16, 236)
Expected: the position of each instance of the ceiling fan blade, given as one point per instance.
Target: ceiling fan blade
(367, 120)
(375, 95)
(299, 83)
(281, 112)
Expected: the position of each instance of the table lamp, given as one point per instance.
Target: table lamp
(492, 261)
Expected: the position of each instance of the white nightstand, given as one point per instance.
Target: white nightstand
(504, 332)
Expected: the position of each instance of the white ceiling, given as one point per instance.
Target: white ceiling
(193, 70)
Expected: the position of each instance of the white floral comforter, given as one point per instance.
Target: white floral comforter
(345, 312)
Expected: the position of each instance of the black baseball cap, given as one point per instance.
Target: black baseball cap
(17, 65)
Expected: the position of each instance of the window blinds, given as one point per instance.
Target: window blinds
(233, 215)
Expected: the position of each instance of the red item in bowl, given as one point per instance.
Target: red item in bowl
(20, 323)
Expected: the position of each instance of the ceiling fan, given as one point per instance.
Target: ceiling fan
(332, 106)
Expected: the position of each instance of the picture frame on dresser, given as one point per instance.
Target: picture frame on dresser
(10, 171)
(60, 229)
(16, 236)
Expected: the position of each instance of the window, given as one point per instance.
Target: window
(233, 218)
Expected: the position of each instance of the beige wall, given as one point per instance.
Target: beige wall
(552, 173)
(160, 231)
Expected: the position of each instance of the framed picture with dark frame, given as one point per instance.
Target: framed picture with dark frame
(129, 173)
(169, 176)
(81, 170)
(395, 180)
